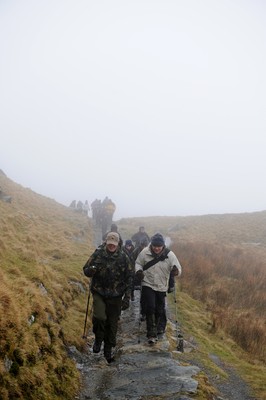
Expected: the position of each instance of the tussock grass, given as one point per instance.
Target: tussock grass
(42, 250)
(232, 283)
(196, 324)
(43, 292)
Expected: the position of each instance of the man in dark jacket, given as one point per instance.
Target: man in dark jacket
(139, 236)
(128, 248)
(111, 273)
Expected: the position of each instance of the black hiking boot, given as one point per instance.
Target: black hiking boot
(108, 354)
(97, 346)
(152, 340)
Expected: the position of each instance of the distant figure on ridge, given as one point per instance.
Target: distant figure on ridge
(73, 204)
(86, 207)
(96, 206)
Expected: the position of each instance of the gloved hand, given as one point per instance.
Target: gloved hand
(171, 289)
(140, 275)
(89, 270)
(125, 303)
(175, 271)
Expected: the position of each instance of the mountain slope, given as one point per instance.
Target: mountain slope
(43, 247)
(43, 292)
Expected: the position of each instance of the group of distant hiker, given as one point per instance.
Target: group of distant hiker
(116, 270)
(80, 207)
(102, 213)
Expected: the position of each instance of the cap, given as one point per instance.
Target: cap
(157, 240)
(112, 238)
(128, 242)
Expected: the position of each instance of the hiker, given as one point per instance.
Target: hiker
(111, 273)
(128, 248)
(73, 204)
(96, 211)
(109, 209)
(86, 208)
(79, 206)
(138, 236)
(153, 267)
(114, 228)
(137, 282)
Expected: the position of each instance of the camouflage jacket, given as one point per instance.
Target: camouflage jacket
(113, 274)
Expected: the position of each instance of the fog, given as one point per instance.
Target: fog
(159, 105)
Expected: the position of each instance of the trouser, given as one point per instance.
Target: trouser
(155, 310)
(106, 312)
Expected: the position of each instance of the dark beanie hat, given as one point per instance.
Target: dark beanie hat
(128, 242)
(157, 240)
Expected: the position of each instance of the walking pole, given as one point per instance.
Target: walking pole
(139, 313)
(87, 310)
(179, 335)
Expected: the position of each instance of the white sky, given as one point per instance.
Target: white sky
(158, 104)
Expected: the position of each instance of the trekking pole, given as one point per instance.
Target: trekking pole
(179, 335)
(85, 334)
(139, 313)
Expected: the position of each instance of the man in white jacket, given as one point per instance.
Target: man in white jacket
(153, 266)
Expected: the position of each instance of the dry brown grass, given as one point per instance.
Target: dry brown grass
(43, 247)
(43, 292)
(232, 282)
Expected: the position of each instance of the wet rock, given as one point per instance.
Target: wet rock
(140, 371)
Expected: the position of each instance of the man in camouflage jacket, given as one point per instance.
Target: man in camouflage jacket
(111, 273)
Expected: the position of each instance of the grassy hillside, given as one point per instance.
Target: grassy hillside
(43, 292)
(43, 247)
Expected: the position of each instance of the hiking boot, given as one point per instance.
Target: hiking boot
(96, 346)
(108, 354)
(152, 340)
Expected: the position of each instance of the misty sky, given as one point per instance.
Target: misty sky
(159, 105)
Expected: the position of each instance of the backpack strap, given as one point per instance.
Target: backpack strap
(155, 260)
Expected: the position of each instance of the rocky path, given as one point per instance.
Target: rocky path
(140, 371)
(144, 372)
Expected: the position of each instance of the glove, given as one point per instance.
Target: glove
(125, 303)
(140, 275)
(89, 270)
(175, 271)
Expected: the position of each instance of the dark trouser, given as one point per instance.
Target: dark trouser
(106, 312)
(155, 310)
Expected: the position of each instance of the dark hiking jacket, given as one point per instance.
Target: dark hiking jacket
(113, 272)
